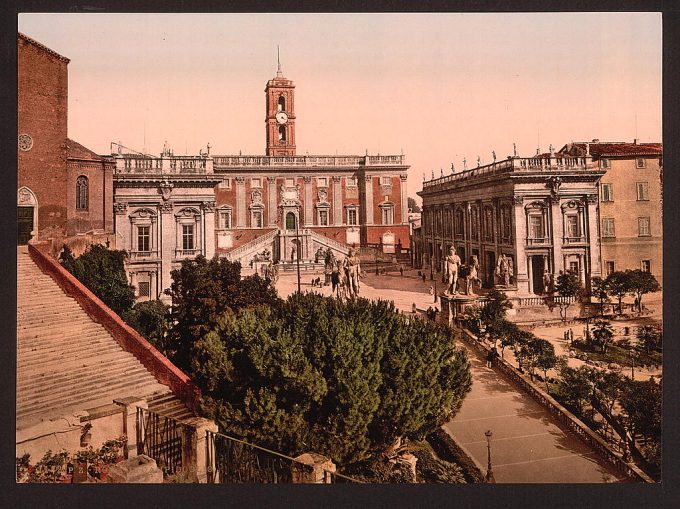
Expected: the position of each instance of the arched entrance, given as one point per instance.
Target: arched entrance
(291, 221)
(27, 215)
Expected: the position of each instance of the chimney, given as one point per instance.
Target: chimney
(635, 141)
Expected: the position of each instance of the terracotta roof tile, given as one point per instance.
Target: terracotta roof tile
(43, 47)
(77, 151)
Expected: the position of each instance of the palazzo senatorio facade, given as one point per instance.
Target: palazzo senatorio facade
(243, 207)
(540, 212)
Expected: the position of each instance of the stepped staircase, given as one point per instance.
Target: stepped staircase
(66, 362)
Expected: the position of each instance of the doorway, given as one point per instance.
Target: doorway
(489, 268)
(25, 224)
(537, 267)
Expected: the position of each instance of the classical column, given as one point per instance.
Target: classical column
(519, 234)
(309, 205)
(271, 193)
(582, 268)
(167, 245)
(240, 202)
(368, 181)
(337, 200)
(593, 238)
(404, 198)
(557, 232)
(209, 229)
(530, 273)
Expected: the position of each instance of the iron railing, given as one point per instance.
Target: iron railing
(230, 460)
(164, 439)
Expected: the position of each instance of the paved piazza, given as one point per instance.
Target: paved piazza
(528, 446)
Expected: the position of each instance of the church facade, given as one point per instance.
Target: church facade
(280, 205)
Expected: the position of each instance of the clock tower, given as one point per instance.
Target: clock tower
(280, 120)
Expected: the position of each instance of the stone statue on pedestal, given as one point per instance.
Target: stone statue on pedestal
(471, 276)
(504, 269)
(452, 264)
(352, 273)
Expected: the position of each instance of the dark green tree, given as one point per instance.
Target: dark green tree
(649, 337)
(202, 290)
(576, 386)
(642, 402)
(317, 374)
(545, 357)
(603, 334)
(151, 319)
(496, 307)
(102, 271)
(608, 388)
(600, 290)
(567, 285)
(618, 284)
(640, 283)
(412, 205)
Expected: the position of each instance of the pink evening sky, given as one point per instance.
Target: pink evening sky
(439, 87)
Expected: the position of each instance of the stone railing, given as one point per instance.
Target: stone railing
(333, 244)
(149, 165)
(564, 416)
(238, 252)
(517, 164)
(225, 161)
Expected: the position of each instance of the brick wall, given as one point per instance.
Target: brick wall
(42, 114)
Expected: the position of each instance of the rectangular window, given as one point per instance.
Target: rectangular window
(609, 267)
(573, 267)
(640, 162)
(536, 227)
(351, 181)
(646, 265)
(642, 191)
(606, 192)
(387, 215)
(257, 219)
(322, 182)
(225, 219)
(643, 227)
(386, 181)
(226, 183)
(144, 238)
(187, 237)
(323, 217)
(604, 163)
(572, 226)
(143, 287)
(256, 182)
(352, 216)
(608, 227)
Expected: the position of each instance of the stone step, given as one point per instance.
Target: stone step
(131, 387)
(35, 374)
(56, 377)
(28, 419)
(28, 343)
(75, 384)
(44, 323)
(64, 305)
(64, 326)
(52, 360)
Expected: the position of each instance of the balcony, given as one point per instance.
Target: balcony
(144, 255)
(186, 253)
(573, 240)
(225, 161)
(538, 241)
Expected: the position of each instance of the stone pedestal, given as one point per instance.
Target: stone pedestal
(140, 469)
(130, 405)
(318, 469)
(454, 306)
(196, 461)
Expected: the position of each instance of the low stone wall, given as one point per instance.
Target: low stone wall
(564, 416)
(129, 339)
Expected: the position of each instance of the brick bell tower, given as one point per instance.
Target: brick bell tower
(280, 120)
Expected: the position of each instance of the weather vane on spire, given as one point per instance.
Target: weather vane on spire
(278, 61)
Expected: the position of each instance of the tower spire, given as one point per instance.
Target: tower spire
(278, 60)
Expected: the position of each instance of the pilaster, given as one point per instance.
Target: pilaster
(368, 182)
(240, 202)
(309, 205)
(337, 200)
(271, 181)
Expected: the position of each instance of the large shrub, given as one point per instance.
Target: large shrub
(317, 374)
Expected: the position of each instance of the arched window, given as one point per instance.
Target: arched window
(81, 193)
(282, 104)
(282, 133)
(290, 221)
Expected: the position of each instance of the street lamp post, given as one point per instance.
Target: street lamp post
(489, 471)
(633, 356)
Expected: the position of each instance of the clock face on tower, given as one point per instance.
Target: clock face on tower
(282, 117)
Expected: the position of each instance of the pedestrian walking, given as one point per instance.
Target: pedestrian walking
(490, 356)
(401, 269)
(423, 276)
